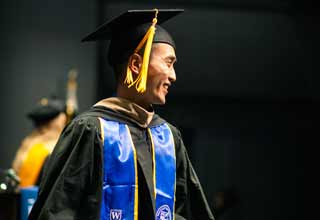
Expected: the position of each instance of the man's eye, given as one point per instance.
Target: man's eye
(170, 62)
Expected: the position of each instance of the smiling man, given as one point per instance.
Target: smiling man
(120, 160)
(161, 74)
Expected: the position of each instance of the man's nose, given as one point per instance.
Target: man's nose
(172, 75)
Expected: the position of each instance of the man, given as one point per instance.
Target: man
(120, 160)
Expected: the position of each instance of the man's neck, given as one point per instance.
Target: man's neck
(133, 96)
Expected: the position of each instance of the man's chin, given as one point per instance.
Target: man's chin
(160, 102)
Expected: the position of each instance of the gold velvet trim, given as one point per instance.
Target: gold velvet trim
(137, 114)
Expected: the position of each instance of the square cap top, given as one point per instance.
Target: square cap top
(128, 20)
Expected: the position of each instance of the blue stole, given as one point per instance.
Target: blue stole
(120, 172)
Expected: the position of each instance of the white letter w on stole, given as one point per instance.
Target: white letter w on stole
(115, 214)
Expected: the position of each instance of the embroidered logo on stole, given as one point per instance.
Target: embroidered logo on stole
(163, 213)
(115, 214)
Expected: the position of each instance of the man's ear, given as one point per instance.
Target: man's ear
(135, 62)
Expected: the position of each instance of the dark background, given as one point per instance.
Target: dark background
(245, 98)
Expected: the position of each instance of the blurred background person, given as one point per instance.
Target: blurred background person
(49, 118)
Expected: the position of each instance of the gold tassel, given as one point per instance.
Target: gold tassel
(141, 80)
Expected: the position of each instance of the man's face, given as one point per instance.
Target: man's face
(161, 73)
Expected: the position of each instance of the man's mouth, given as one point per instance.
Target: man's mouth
(166, 86)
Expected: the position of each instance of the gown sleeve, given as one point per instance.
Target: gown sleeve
(191, 203)
(72, 178)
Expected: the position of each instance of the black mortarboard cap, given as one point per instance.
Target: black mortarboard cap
(46, 109)
(127, 30)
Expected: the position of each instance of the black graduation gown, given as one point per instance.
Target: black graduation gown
(71, 186)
